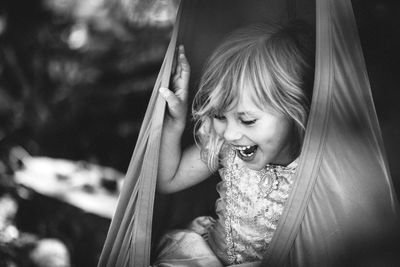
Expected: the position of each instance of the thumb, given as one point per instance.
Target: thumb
(170, 97)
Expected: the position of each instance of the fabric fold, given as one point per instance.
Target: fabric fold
(342, 196)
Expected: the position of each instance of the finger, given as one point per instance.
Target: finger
(176, 79)
(176, 67)
(181, 50)
(185, 71)
(184, 67)
(183, 62)
(169, 96)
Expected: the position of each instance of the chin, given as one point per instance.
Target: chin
(256, 166)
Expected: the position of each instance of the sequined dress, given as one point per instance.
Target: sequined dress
(250, 205)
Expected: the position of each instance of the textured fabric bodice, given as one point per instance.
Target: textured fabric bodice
(250, 205)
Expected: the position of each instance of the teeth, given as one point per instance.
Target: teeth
(245, 155)
(242, 148)
(245, 151)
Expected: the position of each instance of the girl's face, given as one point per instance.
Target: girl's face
(259, 136)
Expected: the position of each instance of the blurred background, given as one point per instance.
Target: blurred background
(75, 78)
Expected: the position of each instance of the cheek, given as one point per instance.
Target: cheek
(219, 127)
(283, 135)
(285, 129)
(276, 132)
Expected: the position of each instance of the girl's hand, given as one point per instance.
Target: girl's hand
(177, 98)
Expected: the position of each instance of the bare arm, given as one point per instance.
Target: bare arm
(178, 170)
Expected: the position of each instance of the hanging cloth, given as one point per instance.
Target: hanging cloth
(342, 192)
(129, 236)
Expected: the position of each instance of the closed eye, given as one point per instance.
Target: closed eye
(248, 122)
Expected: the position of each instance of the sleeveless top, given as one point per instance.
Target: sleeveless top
(250, 205)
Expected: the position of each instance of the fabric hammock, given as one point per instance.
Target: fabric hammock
(342, 195)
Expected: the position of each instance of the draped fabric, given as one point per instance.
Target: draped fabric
(129, 236)
(342, 196)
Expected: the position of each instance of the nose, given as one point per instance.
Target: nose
(232, 132)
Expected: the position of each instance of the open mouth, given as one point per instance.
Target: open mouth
(246, 153)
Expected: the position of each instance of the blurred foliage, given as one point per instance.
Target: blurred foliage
(75, 76)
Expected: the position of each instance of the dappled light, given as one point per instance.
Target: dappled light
(75, 77)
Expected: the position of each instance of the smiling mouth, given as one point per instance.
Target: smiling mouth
(246, 153)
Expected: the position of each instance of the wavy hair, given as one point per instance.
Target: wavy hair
(274, 63)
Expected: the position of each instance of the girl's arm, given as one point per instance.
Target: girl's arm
(178, 170)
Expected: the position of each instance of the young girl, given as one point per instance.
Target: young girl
(251, 112)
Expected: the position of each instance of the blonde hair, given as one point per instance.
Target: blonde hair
(275, 63)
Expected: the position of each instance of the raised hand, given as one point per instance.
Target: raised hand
(177, 98)
(178, 169)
